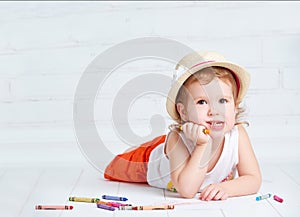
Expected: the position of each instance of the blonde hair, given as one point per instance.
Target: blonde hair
(205, 76)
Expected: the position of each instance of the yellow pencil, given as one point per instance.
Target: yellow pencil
(84, 199)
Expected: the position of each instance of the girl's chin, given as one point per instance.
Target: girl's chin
(215, 134)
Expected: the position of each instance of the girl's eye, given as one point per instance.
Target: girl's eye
(201, 102)
(222, 101)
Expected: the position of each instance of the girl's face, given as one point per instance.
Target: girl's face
(211, 105)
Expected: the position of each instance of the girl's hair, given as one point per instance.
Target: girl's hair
(205, 76)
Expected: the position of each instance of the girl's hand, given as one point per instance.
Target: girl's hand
(195, 133)
(213, 192)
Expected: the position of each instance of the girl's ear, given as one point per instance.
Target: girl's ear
(182, 111)
(236, 110)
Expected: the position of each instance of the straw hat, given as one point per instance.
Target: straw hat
(196, 61)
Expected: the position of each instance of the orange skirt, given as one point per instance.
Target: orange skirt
(132, 166)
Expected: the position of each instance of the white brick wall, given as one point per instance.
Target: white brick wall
(291, 77)
(45, 47)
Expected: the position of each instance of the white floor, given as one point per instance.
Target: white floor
(21, 188)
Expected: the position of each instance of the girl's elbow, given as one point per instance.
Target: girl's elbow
(257, 184)
(186, 193)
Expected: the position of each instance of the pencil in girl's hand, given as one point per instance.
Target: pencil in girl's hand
(206, 131)
(179, 126)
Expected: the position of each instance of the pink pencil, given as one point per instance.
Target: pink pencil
(278, 199)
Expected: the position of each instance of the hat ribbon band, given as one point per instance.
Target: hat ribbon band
(198, 64)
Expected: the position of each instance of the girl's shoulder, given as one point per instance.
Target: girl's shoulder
(241, 127)
(173, 136)
(242, 132)
(238, 131)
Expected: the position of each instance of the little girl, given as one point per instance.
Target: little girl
(208, 150)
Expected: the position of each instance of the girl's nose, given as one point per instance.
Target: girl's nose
(213, 110)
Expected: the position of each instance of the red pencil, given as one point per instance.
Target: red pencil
(55, 207)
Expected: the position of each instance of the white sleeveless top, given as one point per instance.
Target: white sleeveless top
(158, 173)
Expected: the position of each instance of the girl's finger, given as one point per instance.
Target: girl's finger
(219, 195)
(212, 194)
(225, 196)
(205, 192)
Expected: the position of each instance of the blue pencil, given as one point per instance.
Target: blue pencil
(266, 196)
(107, 197)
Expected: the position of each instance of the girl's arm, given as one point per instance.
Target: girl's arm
(249, 180)
(186, 174)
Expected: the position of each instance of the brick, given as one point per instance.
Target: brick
(291, 78)
(36, 133)
(273, 127)
(27, 112)
(46, 61)
(281, 50)
(12, 65)
(273, 103)
(4, 89)
(44, 86)
(247, 54)
(142, 108)
(264, 78)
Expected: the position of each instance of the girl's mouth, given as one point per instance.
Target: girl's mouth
(215, 125)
